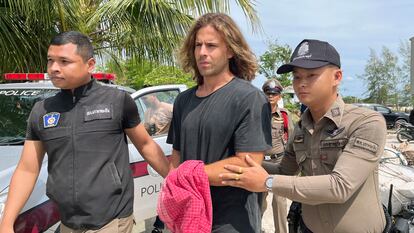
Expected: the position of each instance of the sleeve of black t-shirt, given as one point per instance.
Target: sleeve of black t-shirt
(130, 116)
(32, 123)
(254, 129)
(175, 126)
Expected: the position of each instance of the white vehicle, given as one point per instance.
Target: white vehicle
(40, 213)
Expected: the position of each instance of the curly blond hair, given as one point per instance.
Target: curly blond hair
(243, 64)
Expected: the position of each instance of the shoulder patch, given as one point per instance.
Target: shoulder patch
(366, 145)
(51, 119)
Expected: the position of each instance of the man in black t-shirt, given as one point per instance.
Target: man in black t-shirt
(223, 118)
(83, 130)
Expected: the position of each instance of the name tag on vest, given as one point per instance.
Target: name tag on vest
(98, 112)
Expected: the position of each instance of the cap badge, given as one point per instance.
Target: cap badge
(303, 49)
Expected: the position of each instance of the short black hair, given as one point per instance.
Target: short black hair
(82, 42)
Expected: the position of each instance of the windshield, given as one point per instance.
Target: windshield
(15, 107)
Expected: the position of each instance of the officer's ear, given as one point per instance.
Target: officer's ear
(91, 65)
(337, 76)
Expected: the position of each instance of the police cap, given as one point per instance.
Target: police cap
(272, 86)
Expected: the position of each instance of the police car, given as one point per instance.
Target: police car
(17, 99)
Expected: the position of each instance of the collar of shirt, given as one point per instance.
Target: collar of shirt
(277, 113)
(83, 90)
(334, 114)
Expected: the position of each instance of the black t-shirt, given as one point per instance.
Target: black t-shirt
(235, 118)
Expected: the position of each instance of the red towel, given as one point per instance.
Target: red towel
(184, 203)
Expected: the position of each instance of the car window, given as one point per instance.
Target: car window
(15, 108)
(370, 107)
(383, 109)
(155, 110)
(366, 106)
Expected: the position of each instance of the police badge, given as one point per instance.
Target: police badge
(51, 119)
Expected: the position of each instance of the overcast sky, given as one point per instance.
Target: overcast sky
(352, 27)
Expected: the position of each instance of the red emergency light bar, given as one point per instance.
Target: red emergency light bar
(103, 76)
(43, 76)
(25, 76)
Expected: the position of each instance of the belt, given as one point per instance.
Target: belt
(273, 156)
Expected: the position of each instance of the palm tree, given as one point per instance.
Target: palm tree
(141, 29)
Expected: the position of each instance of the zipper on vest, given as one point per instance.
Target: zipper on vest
(73, 148)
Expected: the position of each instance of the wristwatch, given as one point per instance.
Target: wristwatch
(269, 183)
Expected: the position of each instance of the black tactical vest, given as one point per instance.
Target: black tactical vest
(89, 174)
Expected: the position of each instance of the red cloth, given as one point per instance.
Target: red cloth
(184, 203)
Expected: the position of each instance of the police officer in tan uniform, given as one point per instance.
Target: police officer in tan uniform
(335, 146)
(282, 125)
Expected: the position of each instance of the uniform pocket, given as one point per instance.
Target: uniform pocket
(330, 150)
(55, 141)
(301, 155)
(54, 133)
(115, 177)
(328, 157)
(300, 152)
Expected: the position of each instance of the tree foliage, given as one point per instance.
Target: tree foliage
(382, 77)
(350, 99)
(275, 56)
(139, 74)
(141, 29)
(168, 75)
(405, 54)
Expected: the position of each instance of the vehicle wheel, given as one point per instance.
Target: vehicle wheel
(398, 123)
(403, 136)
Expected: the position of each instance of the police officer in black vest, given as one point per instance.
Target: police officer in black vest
(83, 130)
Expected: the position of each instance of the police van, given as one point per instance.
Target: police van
(17, 98)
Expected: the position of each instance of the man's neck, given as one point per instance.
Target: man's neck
(319, 110)
(274, 107)
(86, 81)
(213, 83)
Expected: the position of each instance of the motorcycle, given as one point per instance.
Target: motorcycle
(405, 133)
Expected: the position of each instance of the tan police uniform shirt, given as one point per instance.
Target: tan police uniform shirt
(278, 130)
(338, 158)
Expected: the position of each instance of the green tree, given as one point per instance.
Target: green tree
(168, 75)
(139, 74)
(275, 56)
(405, 54)
(350, 99)
(142, 29)
(382, 77)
